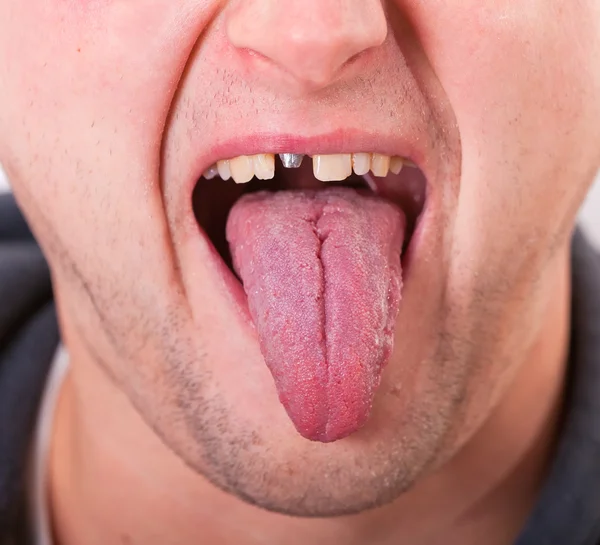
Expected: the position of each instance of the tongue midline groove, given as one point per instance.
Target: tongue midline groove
(322, 275)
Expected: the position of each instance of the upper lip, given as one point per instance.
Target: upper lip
(339, 141)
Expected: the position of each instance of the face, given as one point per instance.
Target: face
(110, 111)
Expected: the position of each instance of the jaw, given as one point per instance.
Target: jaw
(256, 435)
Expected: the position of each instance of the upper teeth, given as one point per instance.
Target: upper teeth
(326, 168)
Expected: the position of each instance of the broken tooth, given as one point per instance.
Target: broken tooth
(361, 163)
(264, 166)
(396, 165)
(380, 165)
(242, 169)
(211, 172)
(332, 168)
(223, 169)
(291, 160)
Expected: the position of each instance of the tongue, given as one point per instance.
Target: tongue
(322, 273)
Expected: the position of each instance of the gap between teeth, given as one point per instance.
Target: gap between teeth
(326, 168)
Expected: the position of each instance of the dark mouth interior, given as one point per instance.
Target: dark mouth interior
(213, 199)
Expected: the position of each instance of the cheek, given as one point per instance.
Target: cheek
(508, 61)
(520, 79)
(86, 113)
(88, 106)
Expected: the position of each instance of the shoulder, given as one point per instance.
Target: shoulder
(28, 341)
(24, 275)
(586, 263)
(568, 509)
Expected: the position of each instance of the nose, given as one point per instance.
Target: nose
(311, 40)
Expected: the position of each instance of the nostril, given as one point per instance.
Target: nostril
(311, 40)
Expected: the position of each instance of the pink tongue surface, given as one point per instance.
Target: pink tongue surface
(322, 273)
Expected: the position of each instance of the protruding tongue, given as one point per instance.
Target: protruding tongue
(323, 277)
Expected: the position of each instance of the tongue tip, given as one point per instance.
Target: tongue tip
(329, 435)
(329, 431)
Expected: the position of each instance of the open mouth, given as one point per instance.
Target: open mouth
(215, 194)
(318, 243)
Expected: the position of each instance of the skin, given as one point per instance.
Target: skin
(169, 426)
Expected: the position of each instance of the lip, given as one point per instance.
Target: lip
(339, 141)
